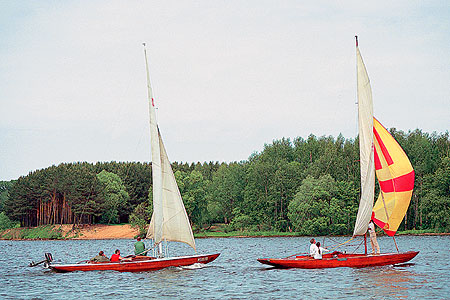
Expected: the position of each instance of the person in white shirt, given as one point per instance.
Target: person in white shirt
(373, 238)
(318, 254)
(313, 248)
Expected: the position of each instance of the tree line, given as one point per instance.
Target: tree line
(309, 186)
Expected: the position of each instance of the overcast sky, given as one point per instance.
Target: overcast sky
(228, 76)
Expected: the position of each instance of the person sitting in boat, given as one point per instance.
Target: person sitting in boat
(373, 238)
(101, 257)
(318, 254)
(116, 256)
(312, 248)
(139, 247)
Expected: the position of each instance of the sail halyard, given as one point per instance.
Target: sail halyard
(169, 220)
(365, 124)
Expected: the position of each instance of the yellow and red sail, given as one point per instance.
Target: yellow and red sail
(396, 178)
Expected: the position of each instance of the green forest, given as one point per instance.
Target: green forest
(308, 186)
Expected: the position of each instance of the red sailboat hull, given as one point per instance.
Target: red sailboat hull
(338, 260)
(139, 264)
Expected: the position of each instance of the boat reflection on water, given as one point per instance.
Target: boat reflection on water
(166, 278)
(176, 282)
(389, 282)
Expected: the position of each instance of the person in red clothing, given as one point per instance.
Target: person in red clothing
(116, 256)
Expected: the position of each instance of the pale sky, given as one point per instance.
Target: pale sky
(228, 76)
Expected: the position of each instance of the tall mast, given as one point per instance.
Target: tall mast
(149, 86)
(169, 221)
(366, 151)
(156, 226)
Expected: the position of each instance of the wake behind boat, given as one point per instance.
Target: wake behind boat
(380, 154)
(169, 221)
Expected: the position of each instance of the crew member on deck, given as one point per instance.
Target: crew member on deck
(373, 238)
(313, 248)
(101, 257)
(139, 247)
(116, 256)
(319, 252)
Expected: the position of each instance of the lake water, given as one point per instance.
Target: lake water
(236, 274)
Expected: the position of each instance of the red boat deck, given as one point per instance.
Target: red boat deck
(137, 264)
(337, 259)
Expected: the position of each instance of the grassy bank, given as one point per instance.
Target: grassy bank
(219, 234)
(57, 232)
(421, 232)
(48, 232)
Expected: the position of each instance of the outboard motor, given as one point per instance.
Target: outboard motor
(48, 259)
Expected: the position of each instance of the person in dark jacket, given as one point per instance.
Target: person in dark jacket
(101, 257)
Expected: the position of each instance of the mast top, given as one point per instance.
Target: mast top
(356, 37)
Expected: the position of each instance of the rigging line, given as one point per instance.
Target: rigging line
(333, 240)
(175, 215)
(342, 243)
(358, 246)
(297, 254)
(351, 245)
(146, 250)
(384, 204)
(347, 245)
(144, 127)
(393, 237)
(387, 216)
(128, 166)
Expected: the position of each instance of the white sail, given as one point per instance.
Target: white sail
(365, 122)
(169, 220)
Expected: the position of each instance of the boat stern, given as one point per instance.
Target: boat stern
(270, 262)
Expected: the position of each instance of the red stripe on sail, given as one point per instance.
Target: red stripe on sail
(378, 165)
(381, 224)
(402, 183)
(153, 102)
(383, 148)
(389, 232)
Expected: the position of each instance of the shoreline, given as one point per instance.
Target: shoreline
(125, 231)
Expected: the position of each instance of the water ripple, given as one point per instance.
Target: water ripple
(234, 275)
